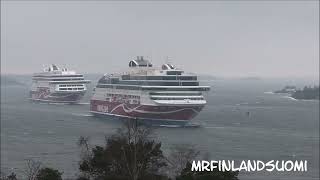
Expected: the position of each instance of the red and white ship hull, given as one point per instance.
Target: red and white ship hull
(152, 95)
(44, 95)
(58, 85)
(176, 114)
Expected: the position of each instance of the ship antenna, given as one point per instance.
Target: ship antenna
(64, 67)
(168, 60)
(45, 67)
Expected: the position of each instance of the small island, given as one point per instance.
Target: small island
(307, 93)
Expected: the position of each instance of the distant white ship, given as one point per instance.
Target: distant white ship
(56, 85)
(165, 95)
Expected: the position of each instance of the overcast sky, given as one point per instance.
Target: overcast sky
(266, 39)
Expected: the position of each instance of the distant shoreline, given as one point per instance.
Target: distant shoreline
(308, 93)
(288, 96)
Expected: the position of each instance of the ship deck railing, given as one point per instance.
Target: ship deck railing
(70, 82)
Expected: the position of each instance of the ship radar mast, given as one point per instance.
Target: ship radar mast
(168, 65)
(140, 62)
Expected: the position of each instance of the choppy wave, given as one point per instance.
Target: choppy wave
(180, 126)
(289, 97)
(83, 114)
(83, 103)
(215, 127)
(245, 103)
(171, 126)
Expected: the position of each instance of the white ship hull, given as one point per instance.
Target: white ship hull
(58, 86)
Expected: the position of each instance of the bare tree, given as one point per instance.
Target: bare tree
(86, 152)
(12, 176)
(2, 175)
(179, 156)
(135, 134)
(84, 144)
(32, 169)
(128, 154)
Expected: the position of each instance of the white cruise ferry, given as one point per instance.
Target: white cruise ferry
(165, 95)
(55, 85)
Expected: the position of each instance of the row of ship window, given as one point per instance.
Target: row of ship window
(41, 76)
(165, 83)
(161, 84)
(158, 98)
(120, 95)
(68, 79)
(151, 83)
(128, 77)
(45, 79)
(64, 89)
(151, 88)
(177, 94)
(73, 85)
(118, 87)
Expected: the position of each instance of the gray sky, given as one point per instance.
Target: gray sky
(267, 39)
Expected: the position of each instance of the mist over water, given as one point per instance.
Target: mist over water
(277, 128)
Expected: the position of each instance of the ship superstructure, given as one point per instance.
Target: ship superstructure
(55, 85)
(163, 95)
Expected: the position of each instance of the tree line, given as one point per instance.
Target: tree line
(129, 154)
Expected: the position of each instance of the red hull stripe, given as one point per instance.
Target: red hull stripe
(145, 111)
(45, 95)
(117, 115)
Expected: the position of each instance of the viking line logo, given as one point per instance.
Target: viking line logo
(102, 108)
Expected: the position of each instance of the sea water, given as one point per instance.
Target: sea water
(240, 122)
